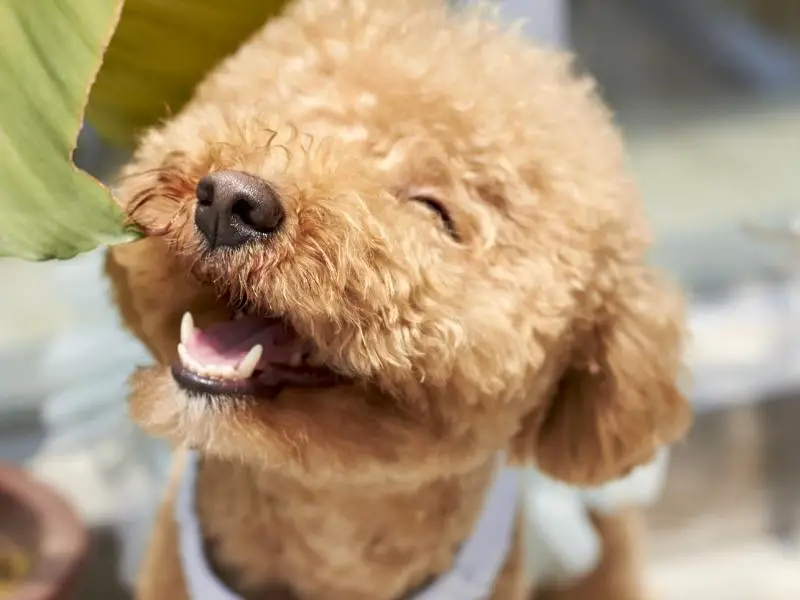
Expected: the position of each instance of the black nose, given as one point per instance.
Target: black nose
(234, 208)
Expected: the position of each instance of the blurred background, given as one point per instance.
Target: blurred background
(708, 95)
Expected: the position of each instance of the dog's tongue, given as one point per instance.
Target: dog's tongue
(225, 344)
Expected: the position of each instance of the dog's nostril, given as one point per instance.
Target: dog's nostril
(205, 191)
(257, 214)
(234, 208)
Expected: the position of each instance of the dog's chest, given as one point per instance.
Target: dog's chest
(346, 551)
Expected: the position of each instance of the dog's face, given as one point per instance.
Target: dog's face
(402, 250)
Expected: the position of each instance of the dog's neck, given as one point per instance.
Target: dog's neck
(270, 537)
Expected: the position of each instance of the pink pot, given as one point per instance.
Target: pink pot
(48, 530)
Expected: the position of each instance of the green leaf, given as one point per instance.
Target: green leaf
(49, 55)
(160, 52)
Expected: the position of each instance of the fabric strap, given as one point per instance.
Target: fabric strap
(472, 577)
(201, 582)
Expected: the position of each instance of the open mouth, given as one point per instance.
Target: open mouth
(245, 356)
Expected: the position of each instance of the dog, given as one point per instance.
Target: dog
(391, 251)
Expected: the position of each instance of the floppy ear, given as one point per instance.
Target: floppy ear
(617, 400)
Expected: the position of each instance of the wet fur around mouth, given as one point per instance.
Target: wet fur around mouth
(458, 239)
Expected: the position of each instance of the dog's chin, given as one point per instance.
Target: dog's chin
(345, 433)
(233, 420)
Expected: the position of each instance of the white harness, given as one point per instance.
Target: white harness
(472, 577)
(561, 540)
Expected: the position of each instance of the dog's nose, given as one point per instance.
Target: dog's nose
(234, 208)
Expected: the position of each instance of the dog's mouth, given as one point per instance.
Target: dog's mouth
(247, 355)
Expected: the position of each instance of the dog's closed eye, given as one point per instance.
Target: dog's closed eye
(437, 206)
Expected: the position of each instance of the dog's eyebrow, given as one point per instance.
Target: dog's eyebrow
(493, 196)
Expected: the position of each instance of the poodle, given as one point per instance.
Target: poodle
(391, 253)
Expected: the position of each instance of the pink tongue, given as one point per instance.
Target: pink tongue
(227, 343)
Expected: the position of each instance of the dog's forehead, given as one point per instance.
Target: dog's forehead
(447, 78)
(511, 120)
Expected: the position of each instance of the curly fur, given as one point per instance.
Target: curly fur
(537, 328)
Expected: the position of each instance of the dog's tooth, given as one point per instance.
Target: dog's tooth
(227, 372)
(210, 371)
(188, 361)
(248, 364)
(187, 327)
(219, 371)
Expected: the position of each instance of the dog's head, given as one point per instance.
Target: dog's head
(406, 242)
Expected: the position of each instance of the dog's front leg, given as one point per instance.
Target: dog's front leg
(161, 577)
(618, 574)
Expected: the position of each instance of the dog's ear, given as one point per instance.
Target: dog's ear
(617, 401)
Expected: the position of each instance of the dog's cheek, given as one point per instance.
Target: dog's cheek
(151, 292)
(156, 404)
(164, 410)
(214, 426)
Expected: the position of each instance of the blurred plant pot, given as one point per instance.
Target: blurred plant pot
(47, 531)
